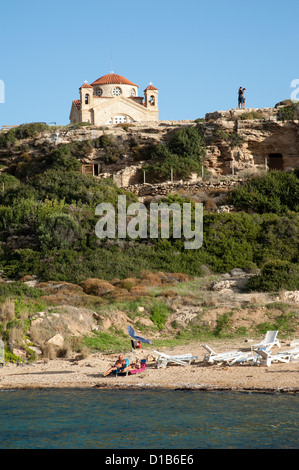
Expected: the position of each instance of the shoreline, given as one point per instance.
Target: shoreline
(153, 387)
(88, 373)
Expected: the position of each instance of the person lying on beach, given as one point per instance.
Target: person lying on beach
(134, 365)
(119, 366)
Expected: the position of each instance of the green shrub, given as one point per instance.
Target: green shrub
(159, 314)
(235, 140)
(10, 356)
(25, 131)
(277, 192)
(289, 112)
(276, 275)
(252, 115)
(59, 231)
(7, 182)
(62, 158)
(21, 262)
(223, 324)
(7, 139)
(107, 342)
(183, 154)
(19, 289)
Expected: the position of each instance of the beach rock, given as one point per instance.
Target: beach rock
(19, 352)
(36, 350)
(290, 296)
(115, 319)
(234, 285)
(236, 272)
(56, 340)
(145, 322)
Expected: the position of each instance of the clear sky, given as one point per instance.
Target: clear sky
(197, 53)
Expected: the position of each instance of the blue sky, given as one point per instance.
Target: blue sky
(197, 53)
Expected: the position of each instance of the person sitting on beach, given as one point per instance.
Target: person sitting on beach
(120, 365)
(137, 364)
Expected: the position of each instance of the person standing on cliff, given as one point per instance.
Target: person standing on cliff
(243, 98)
(240, 94)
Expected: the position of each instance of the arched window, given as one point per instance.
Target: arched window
(152, 101)
(87, 98)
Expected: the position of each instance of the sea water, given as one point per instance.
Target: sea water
(147, 419)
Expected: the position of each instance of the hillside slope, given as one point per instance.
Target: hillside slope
(47, 220)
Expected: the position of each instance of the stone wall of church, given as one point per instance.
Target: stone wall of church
(104, 109)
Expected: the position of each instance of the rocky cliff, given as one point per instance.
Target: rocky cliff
(238, 142)
(250, 139)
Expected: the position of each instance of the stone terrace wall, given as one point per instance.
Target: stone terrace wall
(163, 189)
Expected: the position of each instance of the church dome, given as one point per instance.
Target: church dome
(113, 79)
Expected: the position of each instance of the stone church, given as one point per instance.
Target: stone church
(112, 99)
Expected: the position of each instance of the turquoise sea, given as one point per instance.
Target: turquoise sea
(147, 419)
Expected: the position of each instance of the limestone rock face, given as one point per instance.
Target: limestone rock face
(238, 142)
(250, 140)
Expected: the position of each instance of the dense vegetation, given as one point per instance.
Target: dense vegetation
(47, 218)
(276, 192)
(48, 229)
(47, 226)
(183, 154)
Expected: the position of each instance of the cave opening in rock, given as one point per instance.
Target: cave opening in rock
(275, 161)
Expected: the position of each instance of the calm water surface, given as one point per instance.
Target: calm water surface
(102, 419)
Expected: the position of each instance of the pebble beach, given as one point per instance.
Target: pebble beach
(88, 373)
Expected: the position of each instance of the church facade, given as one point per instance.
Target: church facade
(112, 99)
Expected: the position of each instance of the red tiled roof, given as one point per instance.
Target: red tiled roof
(151, 87)
(77, 103)
(85, 85)
(113, 79)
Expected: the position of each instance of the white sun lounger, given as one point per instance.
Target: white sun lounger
(243, 358)
(283, 356)
(269, 341)
(211, 357)
(182, 360)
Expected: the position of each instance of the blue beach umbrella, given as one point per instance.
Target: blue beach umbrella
(137, 338)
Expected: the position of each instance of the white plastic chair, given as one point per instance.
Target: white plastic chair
(182, 360)
(269, 341)
(283, 356)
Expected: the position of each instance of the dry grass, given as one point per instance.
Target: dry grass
(16, 335)
(7, 311)
(127, 283)
(209, 300)
(96, 287)
(49, 351)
